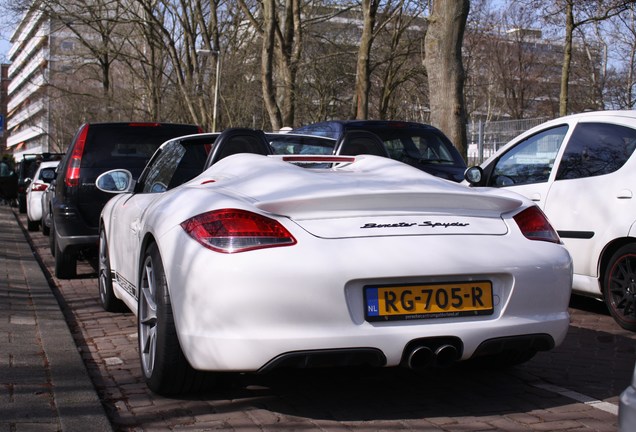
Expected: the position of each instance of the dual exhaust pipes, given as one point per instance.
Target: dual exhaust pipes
(422, 356)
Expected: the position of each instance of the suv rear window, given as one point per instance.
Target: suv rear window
(126, 146)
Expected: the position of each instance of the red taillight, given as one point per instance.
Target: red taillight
(73, 169)
(39, 187)
(234, 230)
(535, 226)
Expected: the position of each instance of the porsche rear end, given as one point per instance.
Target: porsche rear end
(364, 276)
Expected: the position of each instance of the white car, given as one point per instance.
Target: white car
(581, 171)
(40, 182)
(250, 262)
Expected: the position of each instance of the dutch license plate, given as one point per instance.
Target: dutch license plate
(400, 302)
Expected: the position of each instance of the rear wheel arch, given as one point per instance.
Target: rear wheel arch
(148, 240)
(164, 366)
(618, 283)
(608, 251)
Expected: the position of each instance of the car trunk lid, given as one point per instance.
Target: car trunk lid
(372, 196)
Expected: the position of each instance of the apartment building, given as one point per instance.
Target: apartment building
(4, 87)
(28, 105)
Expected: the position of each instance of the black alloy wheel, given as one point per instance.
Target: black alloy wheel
(619, 287)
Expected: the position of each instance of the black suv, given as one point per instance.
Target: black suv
(26, 169)
(8, 182)
(76, 203)
(417, 144)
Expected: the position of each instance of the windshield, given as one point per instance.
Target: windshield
(291, 144)
(425, 146)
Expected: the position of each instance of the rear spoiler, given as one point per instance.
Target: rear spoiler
(316, 159)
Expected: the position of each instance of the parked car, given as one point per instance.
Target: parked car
(420, 145)
(35, 189)
(8, 182)
(234, 259)
(627, 407)
(26, 168)
(581, 171)
(45, 222)
(77, 203)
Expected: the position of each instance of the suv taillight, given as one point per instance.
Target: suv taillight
(235, 230)
(535, 225)
(73, 168)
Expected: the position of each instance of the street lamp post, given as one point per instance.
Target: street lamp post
(217, 82)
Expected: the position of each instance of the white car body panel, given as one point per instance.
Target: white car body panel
(567, 202)
(238, 312)
(34, 197)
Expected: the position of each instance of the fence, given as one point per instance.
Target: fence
(485, 138)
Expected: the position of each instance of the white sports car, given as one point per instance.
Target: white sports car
(251, 262)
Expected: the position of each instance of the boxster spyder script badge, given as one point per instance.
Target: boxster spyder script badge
(411, 224)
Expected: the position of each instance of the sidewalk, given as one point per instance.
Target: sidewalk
(44, 385)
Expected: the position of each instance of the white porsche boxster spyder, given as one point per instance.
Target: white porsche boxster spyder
(234, 259)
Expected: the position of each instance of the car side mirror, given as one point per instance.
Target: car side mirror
(115, 181)
(474, 175)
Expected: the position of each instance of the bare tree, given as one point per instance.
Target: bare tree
(397, 65)
(445, 68)
(280, 55)
(360, 106)
(186, 33)
(575, 14)
(621, 80)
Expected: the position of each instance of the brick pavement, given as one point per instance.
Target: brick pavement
(596, 360)
(44, 385)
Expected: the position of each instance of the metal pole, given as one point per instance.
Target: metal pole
(217, 84)
(480, 141)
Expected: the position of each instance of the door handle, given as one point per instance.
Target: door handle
(624, 194)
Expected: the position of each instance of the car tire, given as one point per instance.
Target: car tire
(52, 238)
(32, 225)
(65, 263)
(619, 286)
(165, 368)
(107, 297)
(44, 227)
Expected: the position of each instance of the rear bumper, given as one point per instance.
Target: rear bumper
(71, 232)
(373, 347)
(373, 357)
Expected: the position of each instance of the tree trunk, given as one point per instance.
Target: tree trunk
(361, 97)
(267, 64)
(567, 59)
(445, 69)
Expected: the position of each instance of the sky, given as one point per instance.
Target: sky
(8, 22)
(4, 49)
(5, 34)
